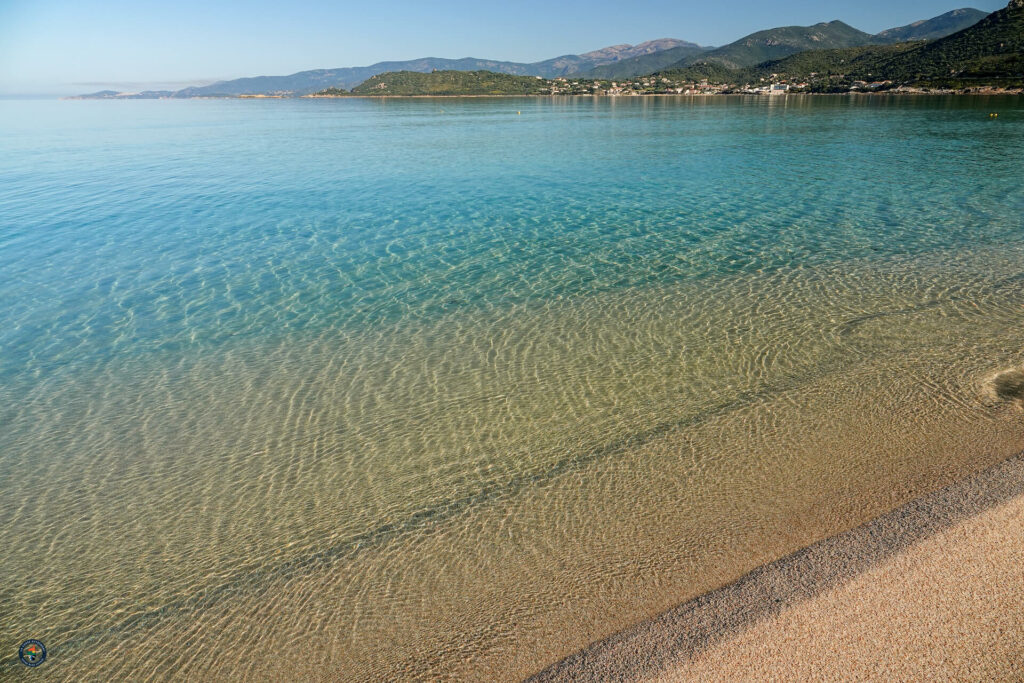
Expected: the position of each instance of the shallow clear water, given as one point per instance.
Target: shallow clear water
(368, 389)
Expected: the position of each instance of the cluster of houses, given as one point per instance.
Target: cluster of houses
(782, 88)
(647, 85)
(657, 86)
(660, 85)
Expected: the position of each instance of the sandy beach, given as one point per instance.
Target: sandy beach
(933, 590)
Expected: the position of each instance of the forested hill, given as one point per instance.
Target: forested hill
(991, 52)
(992, 49)
(775, 43)
(450, 83)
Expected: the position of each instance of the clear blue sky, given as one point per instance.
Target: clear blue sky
(62, 46)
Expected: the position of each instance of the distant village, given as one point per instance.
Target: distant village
(660, 85)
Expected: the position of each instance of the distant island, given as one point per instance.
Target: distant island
(964, 50)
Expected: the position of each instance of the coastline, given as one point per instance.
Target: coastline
(934, 588)
(965, 92)
(968, 92)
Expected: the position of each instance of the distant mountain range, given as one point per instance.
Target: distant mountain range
(306, 82)
(614, 62)
(644, 64)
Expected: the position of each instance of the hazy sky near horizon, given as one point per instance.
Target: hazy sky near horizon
(64, 46)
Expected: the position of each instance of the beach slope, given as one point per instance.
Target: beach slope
(933, 590)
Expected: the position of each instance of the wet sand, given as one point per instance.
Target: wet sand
(933, 590)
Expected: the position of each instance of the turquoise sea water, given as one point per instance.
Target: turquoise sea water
(451, 387)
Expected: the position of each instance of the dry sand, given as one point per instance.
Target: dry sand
(931, 591)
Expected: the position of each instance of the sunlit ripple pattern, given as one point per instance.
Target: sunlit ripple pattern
(387, 389)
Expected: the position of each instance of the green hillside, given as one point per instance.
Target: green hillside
(449, 83)
(705, 71)
(990, 50)
(860, 63)
(776, 43)
(988, 53)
